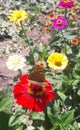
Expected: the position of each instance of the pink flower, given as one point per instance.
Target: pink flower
(66, 3)
(59, 23)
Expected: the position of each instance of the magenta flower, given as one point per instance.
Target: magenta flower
(59, 23)
(66, 3)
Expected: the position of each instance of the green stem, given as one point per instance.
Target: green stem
(28, 42)
(20, 72)
(27, 39)
(76, 117)
(65, 49)
(21, 127)
(65, 13)
(64, 45)
(47, 122)
(62, 34)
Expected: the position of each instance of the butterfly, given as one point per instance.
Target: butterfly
(37, 75)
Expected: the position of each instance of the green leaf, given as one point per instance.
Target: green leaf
(20, 37)
(41, 128)
(37, 116)
(78, 92)
(5, 103)
(31, 42)
(61, 95)
(53, 119)
(66, 118)
(54, 40)
(16, 120)
(5, 92)
(75, 126)
(69, 35)
(12, 121)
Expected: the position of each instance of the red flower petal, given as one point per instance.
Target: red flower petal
(24, 78)
(39, 105)
(30, 100)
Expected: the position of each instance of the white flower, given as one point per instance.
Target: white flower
(16, 62)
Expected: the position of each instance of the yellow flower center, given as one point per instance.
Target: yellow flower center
(16, 60)
(66, 1)
(59, 22)
(58, 60)
(18, 15)
(58, 63)
(36, 89)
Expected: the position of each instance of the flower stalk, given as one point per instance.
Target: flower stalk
(21, 127)
(47, 122)
(20, 72)
(27, 39)
(65, 13)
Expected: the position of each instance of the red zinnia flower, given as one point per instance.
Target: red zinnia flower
(52, 16)
(74, 41)
(46, 29)
(33, 95)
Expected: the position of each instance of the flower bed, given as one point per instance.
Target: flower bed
(44, 95)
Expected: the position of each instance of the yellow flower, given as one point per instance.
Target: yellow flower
(57, 61)
(18, 16)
